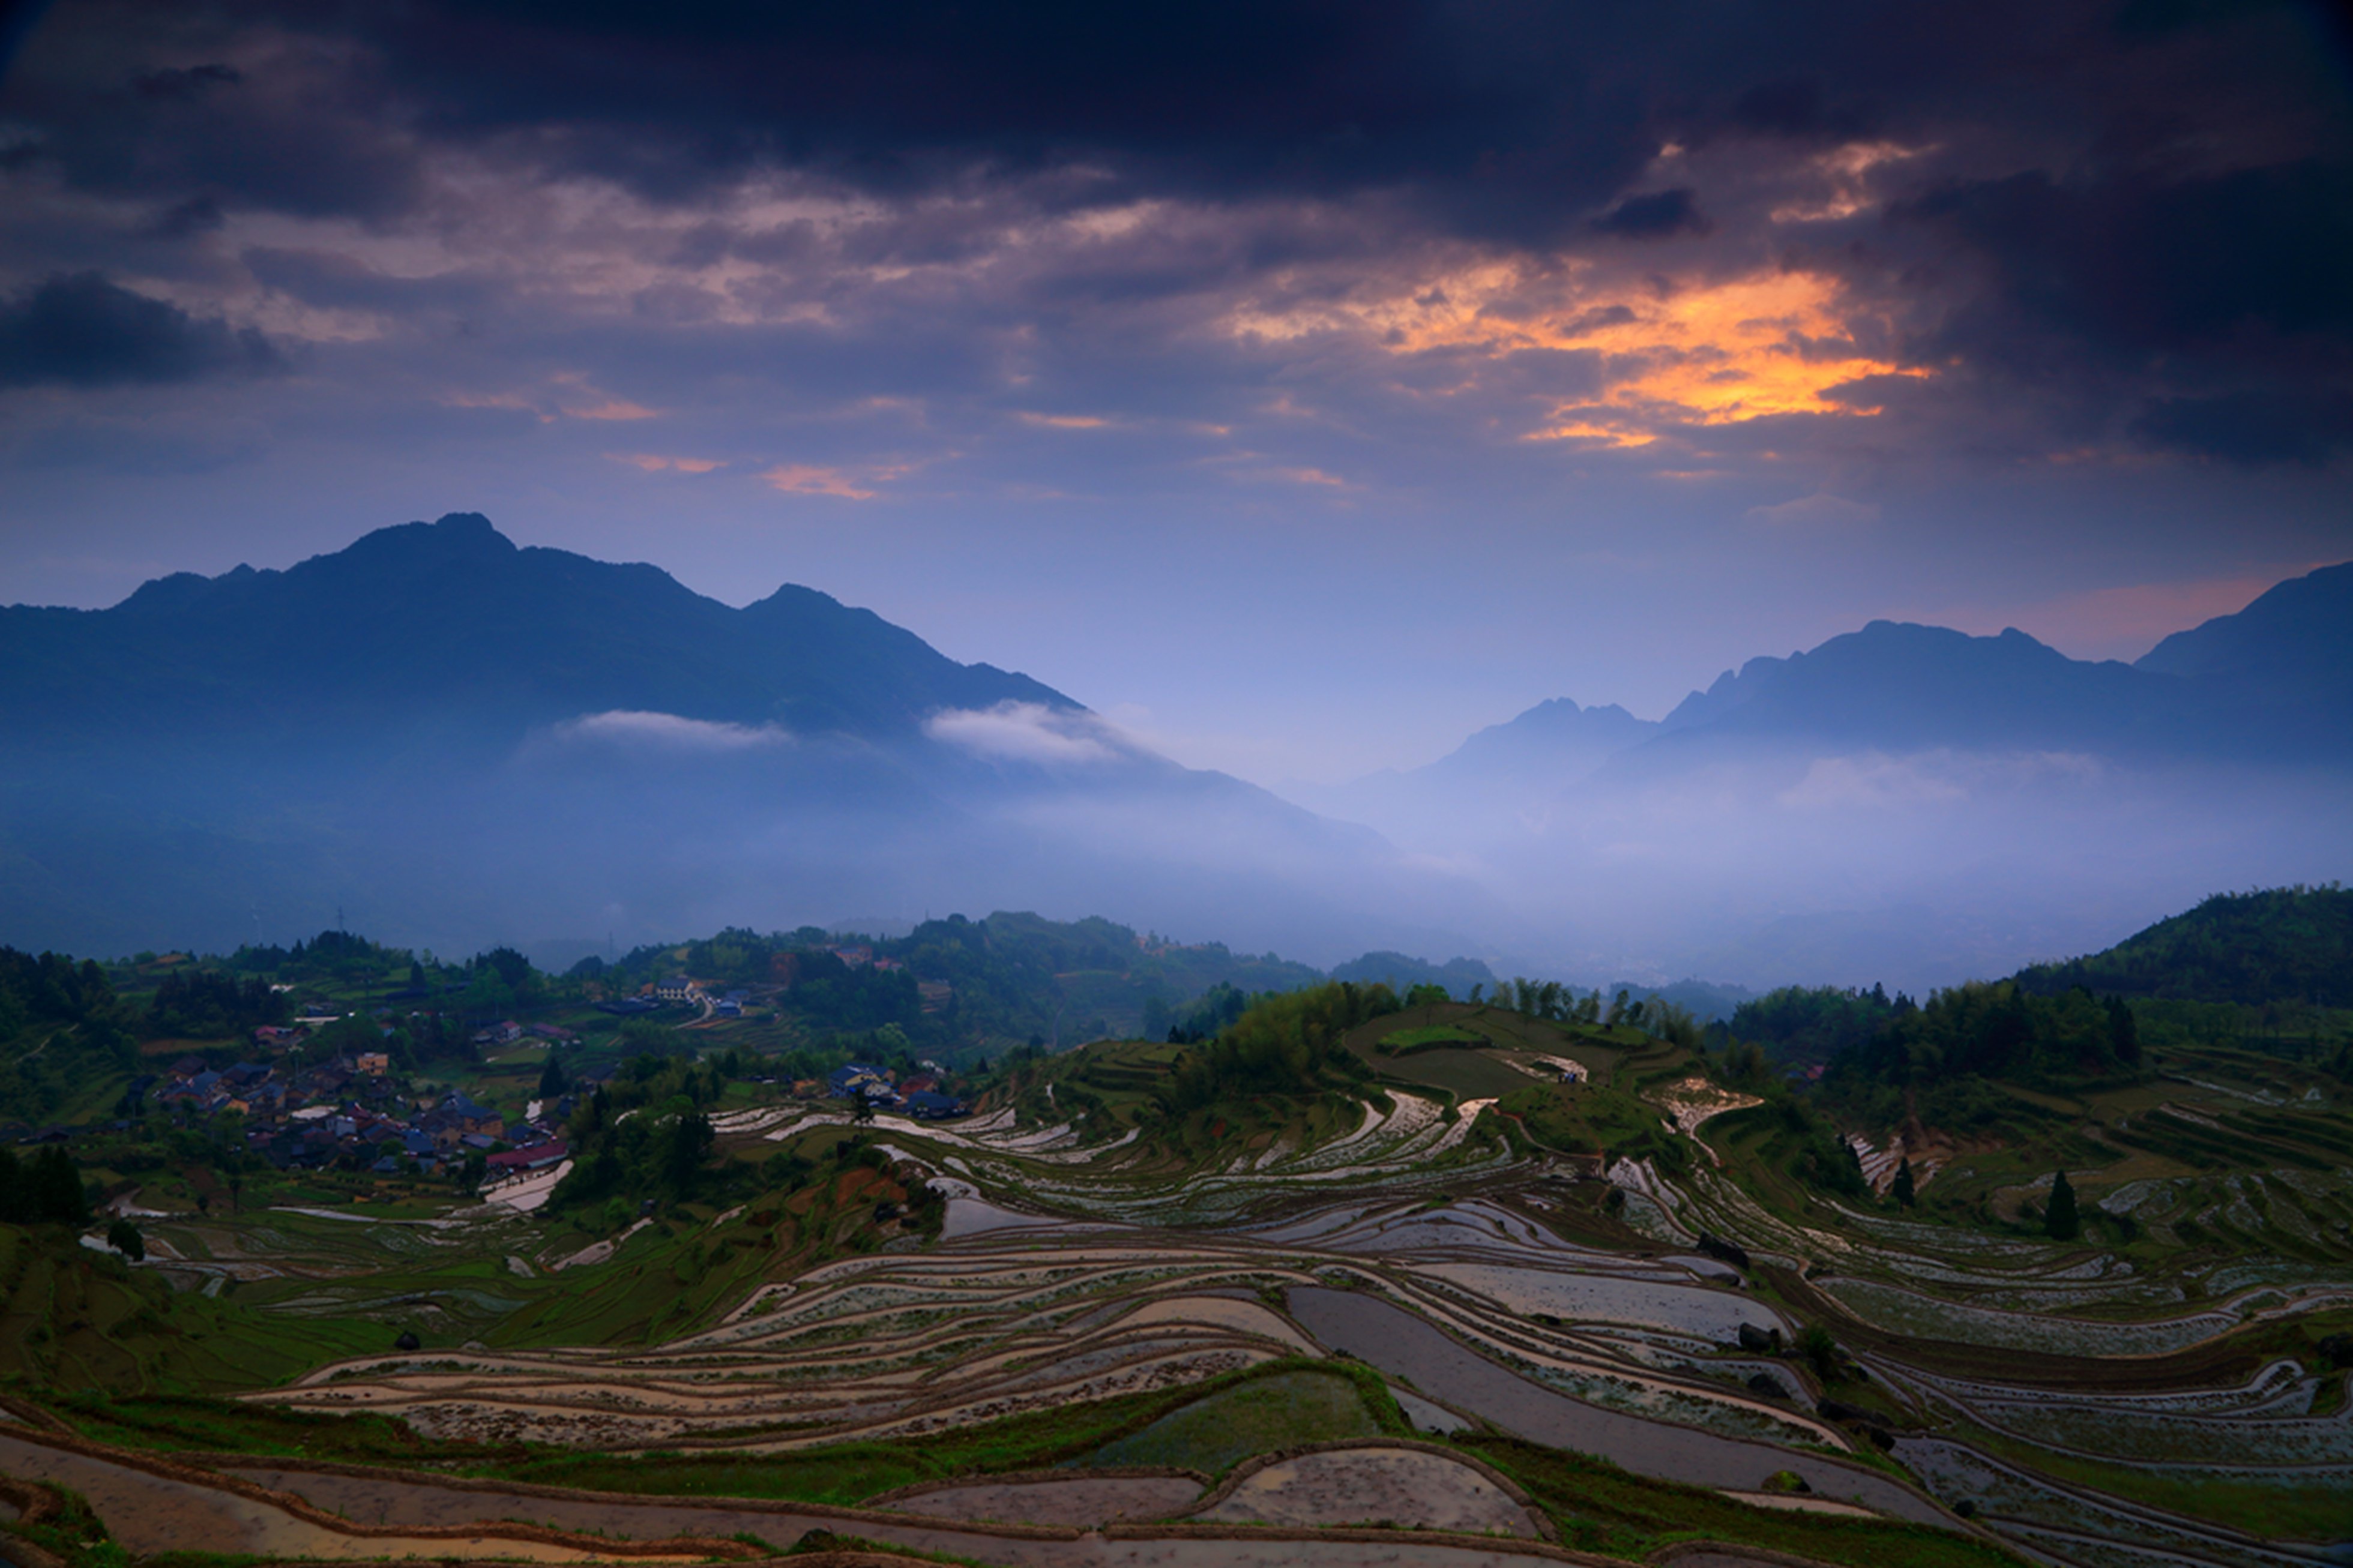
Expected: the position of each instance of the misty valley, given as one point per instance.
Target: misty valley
(1287, 785)
(1849, 1128)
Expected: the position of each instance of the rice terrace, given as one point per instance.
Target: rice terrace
(1330, 1275)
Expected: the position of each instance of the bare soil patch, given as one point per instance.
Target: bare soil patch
(1080, 1501)
(1409, 1487)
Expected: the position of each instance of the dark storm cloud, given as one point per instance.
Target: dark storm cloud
(2215, 306)
(1660, 214)
(184, 81)
(1801, 111)
(84, 331)
(2252, 427)
(2136, 210)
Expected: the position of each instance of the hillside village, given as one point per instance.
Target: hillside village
(355, 1111)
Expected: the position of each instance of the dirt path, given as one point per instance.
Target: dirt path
(150, 1513)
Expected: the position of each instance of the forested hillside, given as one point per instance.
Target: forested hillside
(2282, 945)
(62, 1033)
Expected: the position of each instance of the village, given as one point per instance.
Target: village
(356, 1111)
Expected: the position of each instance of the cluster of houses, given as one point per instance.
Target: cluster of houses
(349, 1113)
(510, 1032)
(919, 1096)
(677, 990)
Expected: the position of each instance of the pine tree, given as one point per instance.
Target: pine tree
(2060, 1221)
(2124, 1032)
(1902, 1187)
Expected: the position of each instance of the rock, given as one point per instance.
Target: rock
(2339, 1349)
(1966, 1508)
(1873, 1423)
(1786, 1481)
(1759, 1341)
(1723, 1251)
(408, 1340)
(1766, 1384)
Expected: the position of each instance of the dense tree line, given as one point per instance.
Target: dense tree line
(61, 1028)
(1939, 1060)
(2277, 945)
(206, 1004)
(1551, 1001)
(50, 989)
(1212, 1013)
(642, 1134)
(2001, 1030)
(45, 1189)
(1288, 1043)
(1813, 1024)
(335, 955)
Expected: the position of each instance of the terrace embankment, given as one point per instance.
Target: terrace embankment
(1403, 1345)
(432, 1518)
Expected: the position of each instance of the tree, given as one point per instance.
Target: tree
(124, 1237)
(862, 1109)
(2059, 1221)
(2124, 1032)
(685, 1145)
(1902, 1187)
(52, 1189)
(552, 1081)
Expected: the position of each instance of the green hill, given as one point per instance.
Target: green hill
(2280, 945)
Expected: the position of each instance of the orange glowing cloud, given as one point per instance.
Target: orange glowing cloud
(610, 408)
(654, 464)
(1065, 421)
(812, 480)
(1707, 353)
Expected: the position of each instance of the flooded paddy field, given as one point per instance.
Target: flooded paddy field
(1319, 1321)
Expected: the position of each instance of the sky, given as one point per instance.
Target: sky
(1301, 385)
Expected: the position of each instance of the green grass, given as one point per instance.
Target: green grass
(2283, 1510)
(75, 1319)
(1583, 1119)
(193, 1424)
(1598, 1507)
(848, 1473)
(1405, 1042)
(1260, 1416)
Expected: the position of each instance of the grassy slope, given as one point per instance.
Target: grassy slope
(76, 1319)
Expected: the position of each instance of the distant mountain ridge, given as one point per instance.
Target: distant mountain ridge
(1899, 686)
(1907, 801)
(467, 741)
(2297, 638)
(418, 622)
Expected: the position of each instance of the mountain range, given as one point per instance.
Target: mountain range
(460, 741)
(2272, 684)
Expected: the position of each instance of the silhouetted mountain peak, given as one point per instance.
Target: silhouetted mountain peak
(1552, 740)
(450, 625)
(2295, 643)
(1900, 684)
(1728, 692)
